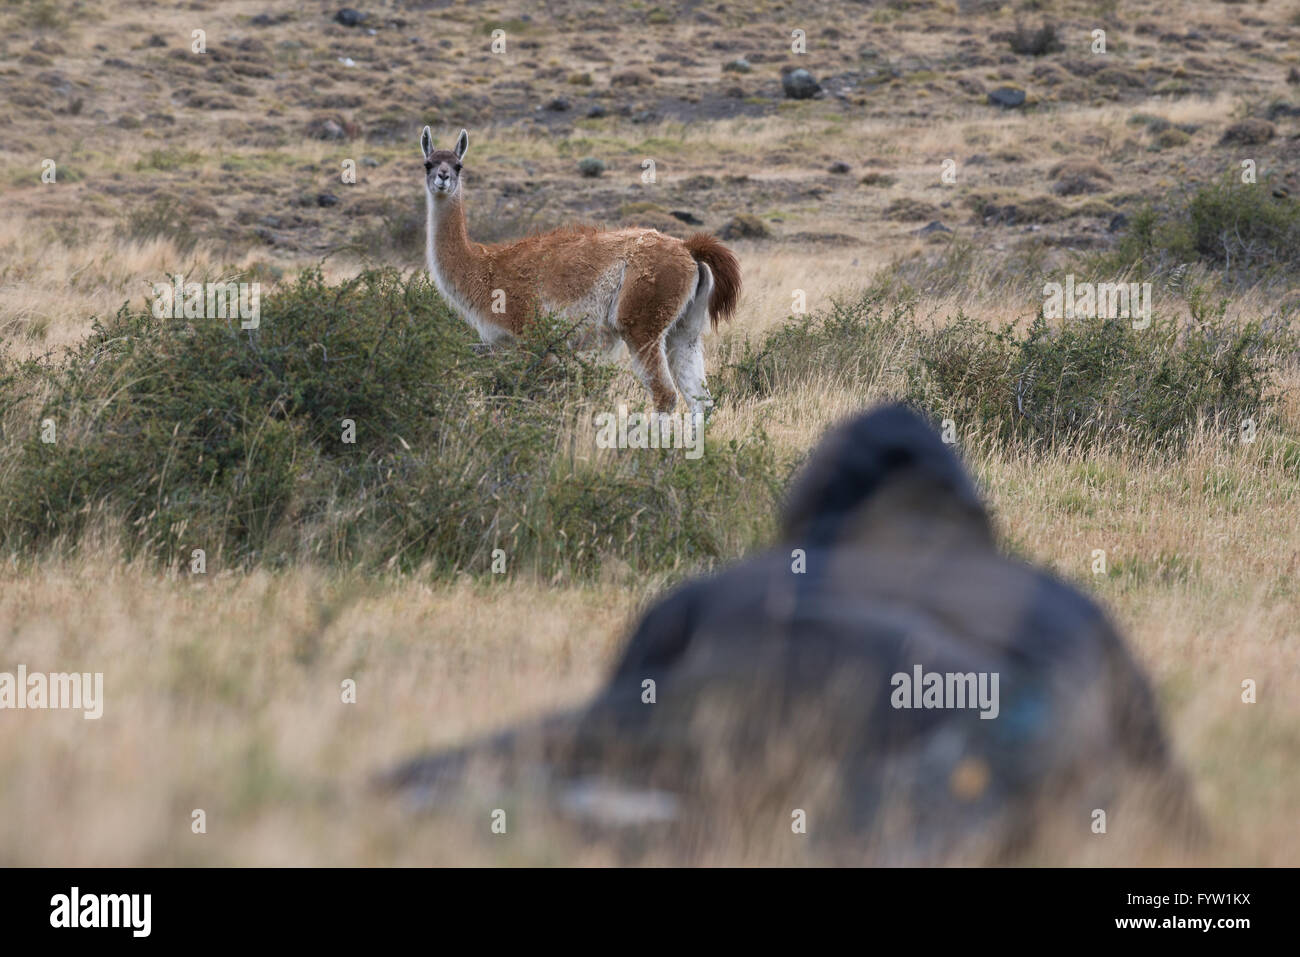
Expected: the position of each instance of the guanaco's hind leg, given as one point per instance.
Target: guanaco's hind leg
(648, 305)
(651, 365)
(686, 352)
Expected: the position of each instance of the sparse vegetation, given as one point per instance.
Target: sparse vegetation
(1085, 383)
(1027, 42)
(1246, 230)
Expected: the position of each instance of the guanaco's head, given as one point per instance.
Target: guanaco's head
(442, 167)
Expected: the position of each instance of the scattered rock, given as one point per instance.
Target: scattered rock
(596, 111)
(591, 167)
(1007, 97)
(877, 179)
(1293, 75)
(1117, 222)
(839, 166)
(1277, 111)
(687, 217)
(559, 105)
(739, 65)
(349, 17)
(934, 226)
(327, 199)
(1251, 132)
(800, 85)
(744, 226)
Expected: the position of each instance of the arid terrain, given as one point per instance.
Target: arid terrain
(900, 176)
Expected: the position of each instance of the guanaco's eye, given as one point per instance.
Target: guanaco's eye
(457, 167)
(427, 166)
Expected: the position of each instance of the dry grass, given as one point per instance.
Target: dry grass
(224, 694)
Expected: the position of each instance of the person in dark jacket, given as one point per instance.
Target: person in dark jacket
(882, 686)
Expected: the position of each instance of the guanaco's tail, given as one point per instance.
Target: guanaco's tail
(726, 274)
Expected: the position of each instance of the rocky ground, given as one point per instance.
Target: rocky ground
(892, 139)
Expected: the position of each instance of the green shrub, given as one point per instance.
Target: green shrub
(1093, 381)
(197, 434)
(1082, 382)
(1241, 228)
(1038, 42)
(163, 217)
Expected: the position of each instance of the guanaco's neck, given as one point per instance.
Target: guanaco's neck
(450, 255)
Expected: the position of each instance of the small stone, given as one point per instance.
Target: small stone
(800, 85)
(349, 17)
(839, 166)
(1007, 97)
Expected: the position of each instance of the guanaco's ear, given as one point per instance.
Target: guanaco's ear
(462, 144)
(426, 142)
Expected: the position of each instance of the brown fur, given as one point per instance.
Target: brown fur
(562, 265)
(578, 269)
(726, 274)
